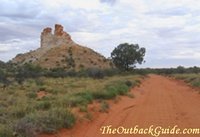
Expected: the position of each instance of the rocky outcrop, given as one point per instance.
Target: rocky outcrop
(59, 38)
(58, 50)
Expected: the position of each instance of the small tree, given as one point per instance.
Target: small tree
(125, 56)
(28, 71)
(3, 78)
(180, 69)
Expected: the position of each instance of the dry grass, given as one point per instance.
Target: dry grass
(192, 79)
(22, 113)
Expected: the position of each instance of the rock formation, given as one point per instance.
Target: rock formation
(57, 50)
(59, 37)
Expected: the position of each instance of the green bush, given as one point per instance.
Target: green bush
(55, 119)
(128, 83)
(77, 99)
(195, 83)
(103, 95)
(96, 73)
(122, 89)
(86, 95)
(46, 122)
(192, 79)
(111, 92)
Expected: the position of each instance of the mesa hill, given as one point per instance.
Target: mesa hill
(58, 50)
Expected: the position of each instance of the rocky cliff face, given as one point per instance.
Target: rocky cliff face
(59, 37)
(58, 50)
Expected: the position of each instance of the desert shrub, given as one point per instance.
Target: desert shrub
(192, 79)
(81, 98)
(46, 122)
(43, 105)
(103, 94)
(31, 95)
(31, 116)
(76, 100)
(96, 73)
(57, 73)
(88, 116)
(3, 77)
(111, 91)
(104, 106)
(122, 89)
(195, 82)
(189, 79)
(128, 83)
(28, 71)
(26, 127)
(82, 73)
(70, 60)
(111, 72)
(86, 95)
(55, 119)
(137, 82)
(71, 73)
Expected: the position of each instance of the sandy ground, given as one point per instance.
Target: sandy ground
(159, 101)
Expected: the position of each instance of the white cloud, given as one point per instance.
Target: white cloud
(186, 54)
(9, 49)
(168, 29)
(137, 6)
(88, 37)
(4, 48)
(74, 4)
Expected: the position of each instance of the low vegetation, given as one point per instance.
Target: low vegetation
(24, 114)
(192, 79)
(104, 106)
(35, 99)
(168, 71)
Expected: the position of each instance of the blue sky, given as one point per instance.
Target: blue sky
(168, 29)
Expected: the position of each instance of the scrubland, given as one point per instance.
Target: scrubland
(25, 112)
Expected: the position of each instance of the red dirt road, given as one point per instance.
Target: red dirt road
(159, 101)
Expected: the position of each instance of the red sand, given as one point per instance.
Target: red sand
(41, 94)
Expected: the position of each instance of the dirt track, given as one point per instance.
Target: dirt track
(159, 101)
